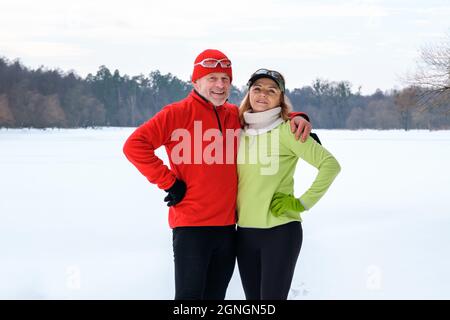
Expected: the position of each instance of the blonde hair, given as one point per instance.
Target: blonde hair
(285, 104)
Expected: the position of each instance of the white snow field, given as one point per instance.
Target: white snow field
(78, 221)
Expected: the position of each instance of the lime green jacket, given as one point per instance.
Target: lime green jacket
(266, 164)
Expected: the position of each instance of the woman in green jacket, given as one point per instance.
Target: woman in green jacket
(269, 220)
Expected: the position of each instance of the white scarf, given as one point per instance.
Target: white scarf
(262, 122)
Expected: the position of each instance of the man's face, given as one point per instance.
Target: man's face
(215, 87)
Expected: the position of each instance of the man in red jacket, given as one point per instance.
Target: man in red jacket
(200, 134)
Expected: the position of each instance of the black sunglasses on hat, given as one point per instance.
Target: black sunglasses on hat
(265, 73)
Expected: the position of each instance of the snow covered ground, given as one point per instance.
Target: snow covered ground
(78, 221)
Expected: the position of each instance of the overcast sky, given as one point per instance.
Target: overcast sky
(369, 43)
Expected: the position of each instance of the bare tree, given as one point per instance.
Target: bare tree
(405, 102)
(433, 74)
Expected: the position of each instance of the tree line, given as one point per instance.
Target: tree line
(42, 98)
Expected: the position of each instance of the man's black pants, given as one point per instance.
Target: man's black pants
(204, 261)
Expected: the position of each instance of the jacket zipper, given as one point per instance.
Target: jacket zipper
(218, 120)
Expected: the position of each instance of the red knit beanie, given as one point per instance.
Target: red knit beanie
(200, 71)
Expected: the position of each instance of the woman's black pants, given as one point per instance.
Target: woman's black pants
(266, 260)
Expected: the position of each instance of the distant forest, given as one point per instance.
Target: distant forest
(45, 98)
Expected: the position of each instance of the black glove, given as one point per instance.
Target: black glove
(176, 193)
(315, 137)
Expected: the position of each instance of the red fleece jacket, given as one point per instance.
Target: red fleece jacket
(201, 142)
